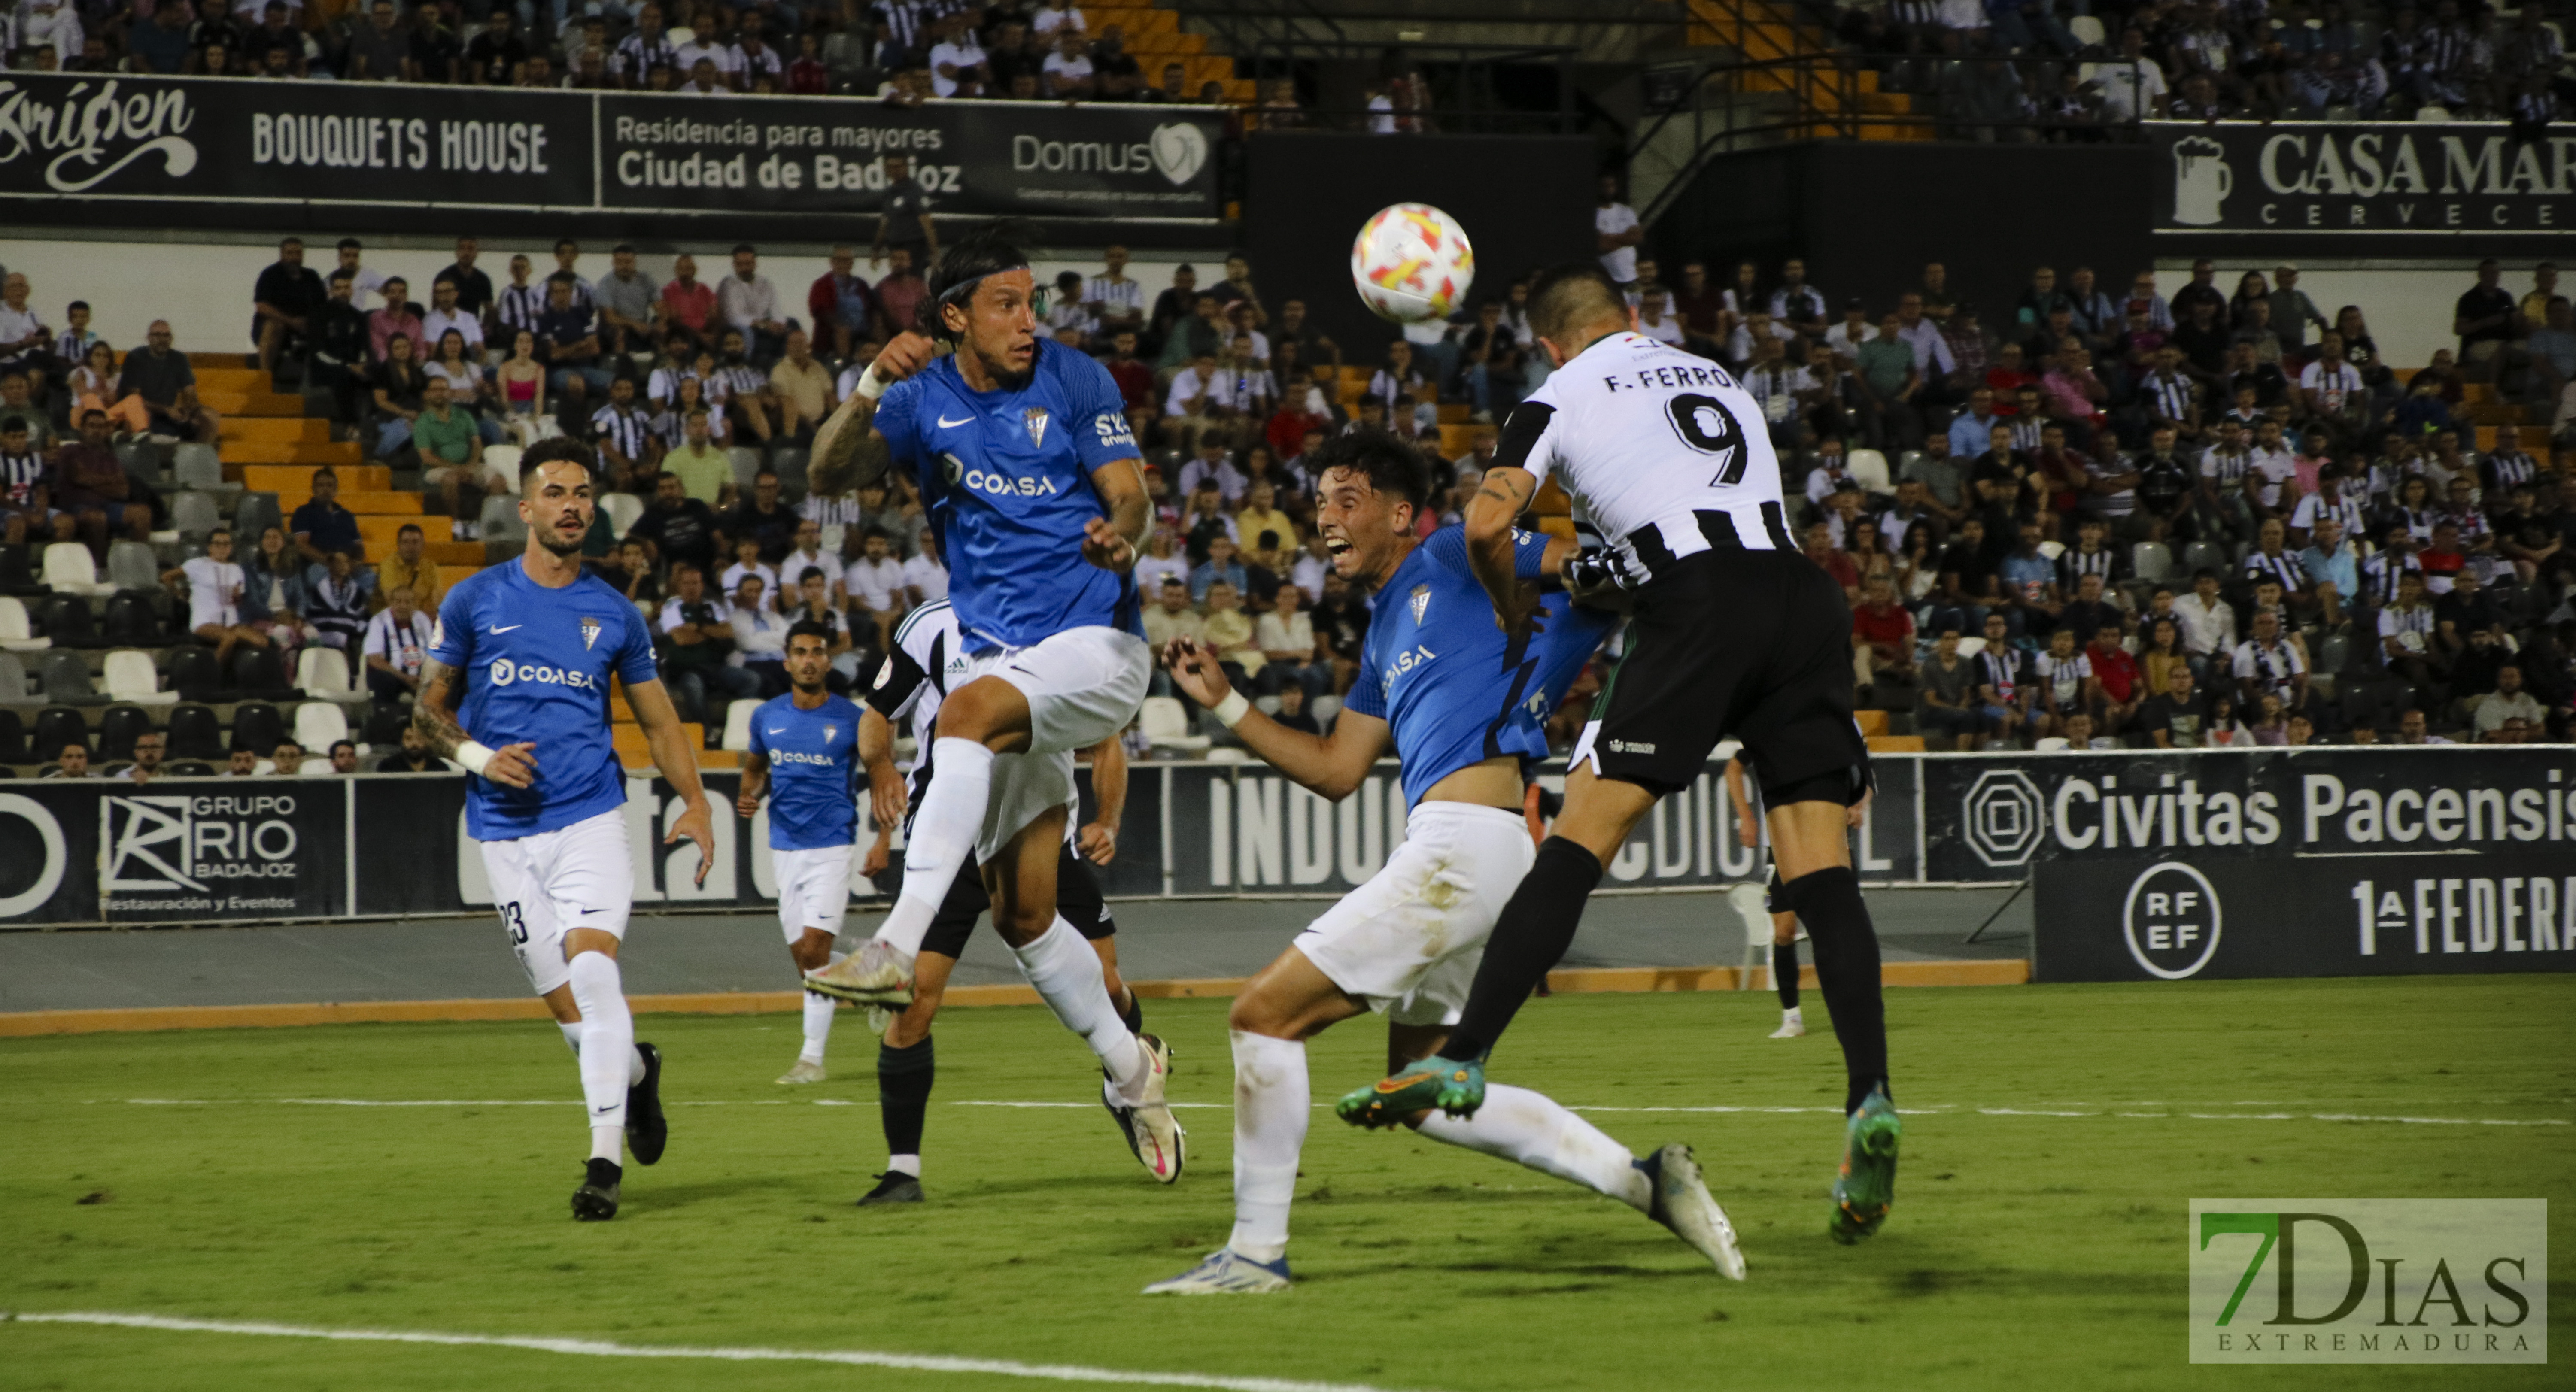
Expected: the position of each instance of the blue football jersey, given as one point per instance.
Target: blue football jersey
(1437, 669)
(1007, 476)
(536, 664)
(812, 758)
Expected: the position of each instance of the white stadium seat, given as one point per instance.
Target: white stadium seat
(132, 678)
(737, 726)
(1166, 724)
(16, 633)
(69, 569)
(319, 725)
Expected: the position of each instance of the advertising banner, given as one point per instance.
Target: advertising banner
(210, 139)
(810, 155)
(182, 851)
(116, 136)
(2350, 178)
(2191, 914)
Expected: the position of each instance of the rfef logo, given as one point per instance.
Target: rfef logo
(2369, 1281)
(2172, 920)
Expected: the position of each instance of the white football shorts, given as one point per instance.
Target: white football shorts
(813, 889)
(1083, 685)
(1409, 940)
(546, 885)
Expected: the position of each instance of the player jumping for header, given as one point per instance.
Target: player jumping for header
(803, 757)
(1461, 702)
(533, 645)
(1022, 450)
(1733, 632)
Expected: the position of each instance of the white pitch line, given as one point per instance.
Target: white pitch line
(925, 1363)
(1937, 1109)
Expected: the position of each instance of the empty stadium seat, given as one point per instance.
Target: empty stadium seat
(257, 725)
(384, 725)
(788, 462)
(323, 673)
(18, 570)
(1166, 725)
(13, 738)
(13, 678)
(17, 631)
(2151, 561)
(131, 677)
(130, 621)
(194, 515)
(746, 464)
(2051, 745)
(259, 672)
(56, 726)
(119, 728)
(69, 569)
(319, 725)
(195, 675)
(500, 519)
(737, 726)
(67, 681)
(2052, 549)
(1869, 467)
(194, 731)
(197, 466)
(2200, 556)
(624, 509)
(254, 514)
(69, 623)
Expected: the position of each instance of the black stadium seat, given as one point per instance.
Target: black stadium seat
(195, 675)
(257, 726)
(258, 674)
(13, 738)
(119, 728)
(131, 622)
(57, 726)
(194, 731)
(18, 571)
(68, 622)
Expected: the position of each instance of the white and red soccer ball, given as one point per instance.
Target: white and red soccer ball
(1412, 262)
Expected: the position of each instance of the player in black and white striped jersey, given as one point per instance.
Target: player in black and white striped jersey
(1732, 633)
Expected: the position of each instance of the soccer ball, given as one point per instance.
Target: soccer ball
(1411, 262)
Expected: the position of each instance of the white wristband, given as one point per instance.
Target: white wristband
(1230, 711)
(869, 385)
(475, 757)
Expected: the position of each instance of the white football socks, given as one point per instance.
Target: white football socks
(572, 1036)
(818, 1020)
(1530, 1129)
(1068, 977)
(904, 1164)
(943, 836)
(1270, 1113)
(609, 1061)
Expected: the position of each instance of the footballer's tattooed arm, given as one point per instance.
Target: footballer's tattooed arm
(1505, 494)
(1111, 542)
(848, 448)
(514, 765)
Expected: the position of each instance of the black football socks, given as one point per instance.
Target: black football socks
(1536, 928)
(903, 1093)
(1845, 947)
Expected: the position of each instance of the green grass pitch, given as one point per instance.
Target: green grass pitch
(2027, 1248)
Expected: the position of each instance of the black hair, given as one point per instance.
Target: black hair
(963, 266)
(338, 745)
(811, 573)
(559, 450)
(1569, 293)
(352, 244)
(807, 628)
(622, 249)
(740, 247)
(1390, 465)
(13, 424)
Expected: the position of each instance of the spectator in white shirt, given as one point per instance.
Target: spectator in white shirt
(1617, 231)
(747, 565)
(957, 62)
(213, 585)
(1067, 71)
(397, 640)
(874, 583)
(924, 578)
(749, 302)
(1654, 322)
(1115, 299)
(1052, 17)
(2208, 623)
(1215, 465)
(444, 315)
(760, 636)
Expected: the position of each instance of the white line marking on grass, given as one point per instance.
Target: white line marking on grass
(1935, 1109)
(926, 1363)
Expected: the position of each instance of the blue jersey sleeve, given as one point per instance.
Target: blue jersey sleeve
(898, 421)
(1448, 547)
(453, 643)
(634, 661)
(1529, 552)
(759, 739)
(1100, 433)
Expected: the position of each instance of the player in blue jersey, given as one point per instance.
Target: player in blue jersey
(1442, 683)
(531, 646)
(803, 756)
(1023, 455)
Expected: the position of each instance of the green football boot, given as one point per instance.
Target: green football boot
(1866, 1184)
(1454, 1086)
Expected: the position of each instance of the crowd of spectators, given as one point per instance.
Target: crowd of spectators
(1987, 485)
(903, 51)
(1988, 64)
